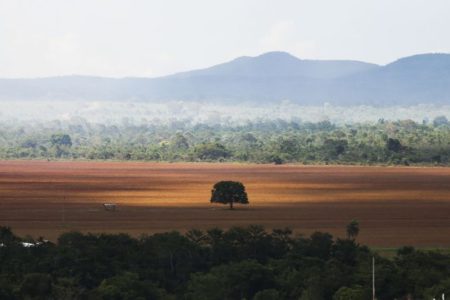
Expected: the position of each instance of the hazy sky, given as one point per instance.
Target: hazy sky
(152, 38)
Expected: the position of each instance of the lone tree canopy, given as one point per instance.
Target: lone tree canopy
(229, 192)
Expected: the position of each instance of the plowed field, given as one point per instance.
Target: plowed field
(395, 206)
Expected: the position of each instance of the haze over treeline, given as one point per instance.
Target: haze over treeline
(129, 112)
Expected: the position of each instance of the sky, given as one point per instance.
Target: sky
(149, 38)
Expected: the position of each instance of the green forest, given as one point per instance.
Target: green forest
(385, 142)
(238, 263)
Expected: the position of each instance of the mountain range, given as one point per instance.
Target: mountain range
(270, 77)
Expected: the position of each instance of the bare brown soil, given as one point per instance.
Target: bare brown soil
(395, 206)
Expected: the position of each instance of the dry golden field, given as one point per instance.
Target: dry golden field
(394, 205)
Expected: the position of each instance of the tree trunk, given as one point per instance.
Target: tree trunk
(231, 204)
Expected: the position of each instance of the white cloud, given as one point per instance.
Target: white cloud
(152, 38)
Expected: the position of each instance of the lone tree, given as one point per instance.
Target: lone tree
(352, 229)
(229, 192)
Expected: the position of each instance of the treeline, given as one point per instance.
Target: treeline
(239, 263)
(401, 142)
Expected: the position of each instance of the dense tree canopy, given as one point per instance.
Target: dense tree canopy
(239, 263)
(392, 143)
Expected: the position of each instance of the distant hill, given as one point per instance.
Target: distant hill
(266, 78)
(416, 79)
(279, 65)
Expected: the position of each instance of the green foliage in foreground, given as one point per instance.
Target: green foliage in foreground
(239, 263)
(402, 142)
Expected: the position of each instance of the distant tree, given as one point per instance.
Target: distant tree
(334, 148)
(276, 159)
(288, 145)
(229, 192)
(211, 151)
(180, 142)
(61, 140)
(29, 143)
(440, 120)
(248, 138)
(324, 125)
(352, 229)
(393, 145)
